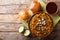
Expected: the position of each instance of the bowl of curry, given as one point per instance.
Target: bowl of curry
(40, 24)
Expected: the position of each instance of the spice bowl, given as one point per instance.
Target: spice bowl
(52, 8)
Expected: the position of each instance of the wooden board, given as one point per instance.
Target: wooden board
(9, 23)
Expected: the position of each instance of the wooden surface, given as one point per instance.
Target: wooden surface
(9, 23)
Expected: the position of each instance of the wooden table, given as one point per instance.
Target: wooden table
(9, 23)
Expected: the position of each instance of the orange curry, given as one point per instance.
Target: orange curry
(40, 24)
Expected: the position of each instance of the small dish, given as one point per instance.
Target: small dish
(52, 8)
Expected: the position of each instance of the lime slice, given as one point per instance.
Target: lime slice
(27, 33)
(21, 29)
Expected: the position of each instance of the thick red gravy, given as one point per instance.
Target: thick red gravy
(51, 8)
